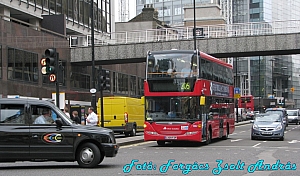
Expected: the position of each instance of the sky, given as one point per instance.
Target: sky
(132, 9)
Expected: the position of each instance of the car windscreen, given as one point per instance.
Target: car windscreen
(268, 118)
(292, 112)
(275, 112)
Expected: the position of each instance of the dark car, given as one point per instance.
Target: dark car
(268, 126)
(29, 131)
(280, 111)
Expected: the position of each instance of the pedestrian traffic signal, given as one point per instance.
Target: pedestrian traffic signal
(105, 80)
(43, 64)
(50, 56)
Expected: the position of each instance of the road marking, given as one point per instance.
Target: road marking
(236, 140)
(290, 130)
(242, 131)
(256, 145)
(242, 125)
(285, 132)
(234, 133)
(134, 145)
(293, 141)
(264, 141)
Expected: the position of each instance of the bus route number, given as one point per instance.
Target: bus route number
(185, 86)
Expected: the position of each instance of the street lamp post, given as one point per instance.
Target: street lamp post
(285, 89)
(93, 103)
(236, 80)
(194, 31)
(272, 70)
(259, 89)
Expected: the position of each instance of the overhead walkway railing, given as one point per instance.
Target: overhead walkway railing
(186, 33)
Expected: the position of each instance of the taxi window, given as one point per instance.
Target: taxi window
(42, 115)
(12, 114)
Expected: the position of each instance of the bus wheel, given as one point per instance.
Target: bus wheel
(227, 132)
(208, 138)
(161, 143)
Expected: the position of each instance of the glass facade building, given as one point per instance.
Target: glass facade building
(277, 74)
(169, 11)
(77, 11)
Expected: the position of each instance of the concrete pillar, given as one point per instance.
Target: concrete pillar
(6, 12)
(36, 23)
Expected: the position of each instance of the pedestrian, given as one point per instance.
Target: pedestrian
(92, 118)
(66, 111)
(75, 117)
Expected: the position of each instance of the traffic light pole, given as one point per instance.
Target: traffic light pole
(93, 101)
(56, 81)
(101, 97)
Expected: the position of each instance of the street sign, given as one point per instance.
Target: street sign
(237, 92)
(52, 77)
(237, 95)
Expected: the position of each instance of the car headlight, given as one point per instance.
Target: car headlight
(279, 127)
(255, 127)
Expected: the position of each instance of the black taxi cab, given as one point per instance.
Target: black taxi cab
(37, 130)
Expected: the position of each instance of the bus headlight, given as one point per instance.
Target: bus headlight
(151, 132)
(191, 133)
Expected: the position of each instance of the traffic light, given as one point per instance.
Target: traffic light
(50, 56)
(105, 80)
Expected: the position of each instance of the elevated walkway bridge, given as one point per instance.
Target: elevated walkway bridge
(221, 41)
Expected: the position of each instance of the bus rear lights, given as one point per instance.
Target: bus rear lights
(151, 132)
(191, 133)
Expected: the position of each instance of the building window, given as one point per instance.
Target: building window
(22, 65)
(133, 85)
(79, 78)
(120, 84)
(254, 16)
(177, 10)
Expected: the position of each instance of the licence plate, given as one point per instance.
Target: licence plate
(170, 137)
(266, 132)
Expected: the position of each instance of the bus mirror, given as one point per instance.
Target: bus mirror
(142, 100)
(202, 100)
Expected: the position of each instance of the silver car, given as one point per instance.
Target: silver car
(269, 126)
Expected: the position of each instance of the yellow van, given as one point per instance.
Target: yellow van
(122, 114)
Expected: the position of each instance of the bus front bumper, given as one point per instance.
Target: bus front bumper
(195, 136)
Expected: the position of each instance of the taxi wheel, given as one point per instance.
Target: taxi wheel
(88, 155)
(101, 159)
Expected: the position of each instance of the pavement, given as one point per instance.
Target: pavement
(122, 140)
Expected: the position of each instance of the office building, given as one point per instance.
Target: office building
(277, 74)
(29, 27)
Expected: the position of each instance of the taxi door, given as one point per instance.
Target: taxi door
(14, 131)
(48, 142)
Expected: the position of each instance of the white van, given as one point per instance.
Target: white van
(293, 115)
(242, 114)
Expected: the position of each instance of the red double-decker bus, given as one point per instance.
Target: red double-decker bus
(188, 97)
(247, 102)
